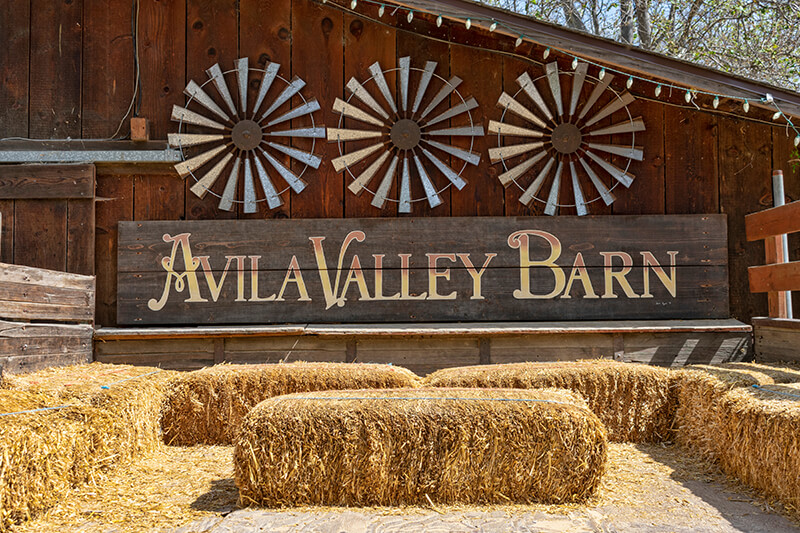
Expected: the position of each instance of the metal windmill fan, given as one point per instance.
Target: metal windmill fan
(408, 135)
(564, 138)
(247, 141)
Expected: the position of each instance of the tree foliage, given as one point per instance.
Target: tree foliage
(758, 39)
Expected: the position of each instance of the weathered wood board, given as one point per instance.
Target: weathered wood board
(411, 269)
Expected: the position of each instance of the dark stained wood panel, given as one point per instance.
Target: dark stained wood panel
(108, 71)
(319, 28)
(80, 236)
(158, 197)
(40, 233)
(14, 68)
(691, 161)
(55, 71)
(7, 231)
(46, 181)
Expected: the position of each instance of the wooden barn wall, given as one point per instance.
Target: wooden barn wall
(67, 69)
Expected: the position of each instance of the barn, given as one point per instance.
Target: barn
(430, 184)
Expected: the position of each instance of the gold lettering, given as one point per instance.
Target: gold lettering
(254, 297)
(476, 275)
(521, 239)
(379, 279)
(240, 278)
(670, 282)
(188, 278)
(434, 275)
(355, 274)
(331, 291)
(405, 260)
(610, 275)
(579, 272)
(214, 287)
(294, 274)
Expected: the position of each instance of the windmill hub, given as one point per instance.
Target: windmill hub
(405, 134)
(246, 135)
(566, 138)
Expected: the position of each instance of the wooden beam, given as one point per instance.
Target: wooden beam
(773, 221)
(46, 181)
(773, 278)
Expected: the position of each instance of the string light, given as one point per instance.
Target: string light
(468, 24)
(518, 41)
(439, 21)
(658, 90)
(746, 105)
(797, 141)
(353, 4)
(381, 10)
(716, 102)
(602, 73)
(688, 96)
(629, 83)
(493, 26)
(574, 63)
(777, 115)
(546, 53)
(410, 16)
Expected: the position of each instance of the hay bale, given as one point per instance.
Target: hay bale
(207, 406)
(760, 440)
(44, 454)
(635, 402)
(416, 446)
(698, 419)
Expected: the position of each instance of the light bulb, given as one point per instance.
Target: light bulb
(574, 63)
(777, 115)
(439, 21)
(353, 4)
(518, 41)
(381, 10)
(602, 73)
(658, 90)
(688, 96)
(746, 106)
(629, 83)
(716, 102)
(546, 53)
(410, 16)
(493, 26)
(797, 140)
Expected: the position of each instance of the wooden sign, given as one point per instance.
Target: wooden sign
(423, 270)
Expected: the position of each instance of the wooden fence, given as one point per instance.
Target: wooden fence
(777, 337)
(46, 318)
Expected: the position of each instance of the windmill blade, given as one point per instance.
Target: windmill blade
(292, 89)
(555, 86)
(463, 131)
(351, 111)
(405, 189)
(226, 202)
(273, 199)
(596, 92)
(430, 191)
(577, 85)
(386, 183)
(507, 152)
(533, 189)
(552, 198)
(305, 109)
(180, 140)
(607, 196)
(580, 202)
(308, 133)
(361, 93)
(614, 105)
(506, 101)
(184, 168)
(336, 134)
(454, 111)
(443, 93)
(529, 87)
(362, 181)
(204, 185)
(298, 155)
(448, 172)
(242, 72)
(181, 114)
(341, 162)
(506, 178)
(624, 151)
(625, 178)
(215, 73)
(383, 87)
(470, 157)
(627, 126)
(405, 66)
(249, 188)
(427, 74)
(271, 72)
(290, 177)
(201, 97)
(501, 128)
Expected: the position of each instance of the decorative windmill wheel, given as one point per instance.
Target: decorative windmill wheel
(247, 141)
(565, 139)
(409, 136)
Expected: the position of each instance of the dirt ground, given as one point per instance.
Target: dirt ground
(649, 488)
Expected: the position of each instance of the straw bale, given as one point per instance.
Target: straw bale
(46, 453)
(699, 420)
(760, 440)
(636, 402)
(417, 446)
(207, 406)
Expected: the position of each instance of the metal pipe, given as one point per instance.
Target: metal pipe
(778, 199)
